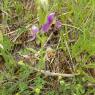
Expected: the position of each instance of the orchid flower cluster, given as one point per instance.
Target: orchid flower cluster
(46, 26)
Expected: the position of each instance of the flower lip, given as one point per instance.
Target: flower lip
(58, 24)
(45, 27)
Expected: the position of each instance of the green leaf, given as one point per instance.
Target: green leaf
(44, 5)
(37, 91)
(91, 65)
(84, 44)
(23, 86)
(79, 46)
(19, 7)
(42, 10)
(1, 37)
(91, 48)
(6, 43)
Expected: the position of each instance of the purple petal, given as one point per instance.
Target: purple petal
(48, 23)
(46, 27)
(58, 24)
(50, 17)
(35, 29)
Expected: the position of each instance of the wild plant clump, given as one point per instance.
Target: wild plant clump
(47, 47)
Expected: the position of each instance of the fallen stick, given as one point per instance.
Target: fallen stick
(48, 73)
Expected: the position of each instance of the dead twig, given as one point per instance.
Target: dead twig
(48, 73)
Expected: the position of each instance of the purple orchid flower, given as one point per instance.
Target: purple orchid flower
(49, 22)
(58, 24)
(34, 30)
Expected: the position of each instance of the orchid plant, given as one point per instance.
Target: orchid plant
(51, 19)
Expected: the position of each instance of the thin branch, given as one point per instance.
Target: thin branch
(48, 73)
